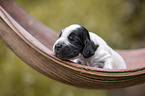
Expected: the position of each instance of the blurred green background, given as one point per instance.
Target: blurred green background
(121, 23)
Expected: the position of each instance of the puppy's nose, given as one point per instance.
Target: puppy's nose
(58, 46)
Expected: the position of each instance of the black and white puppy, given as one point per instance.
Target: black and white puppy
(75, 43)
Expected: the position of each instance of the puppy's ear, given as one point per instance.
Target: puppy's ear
(89, 49)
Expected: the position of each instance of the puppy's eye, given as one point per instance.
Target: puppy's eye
(71, 38)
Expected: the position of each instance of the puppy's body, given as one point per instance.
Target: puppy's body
(75, 43)
(104, 57)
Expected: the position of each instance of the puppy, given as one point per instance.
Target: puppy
(75, 43)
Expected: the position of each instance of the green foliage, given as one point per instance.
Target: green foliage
(121, 23)
(116, 21)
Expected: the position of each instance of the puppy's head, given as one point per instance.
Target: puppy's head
(72, 41)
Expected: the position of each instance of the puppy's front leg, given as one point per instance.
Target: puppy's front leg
(108, 64)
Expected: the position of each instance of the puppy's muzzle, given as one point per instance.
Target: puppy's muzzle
(64, 51)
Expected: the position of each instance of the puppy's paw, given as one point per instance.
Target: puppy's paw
(76, 61)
